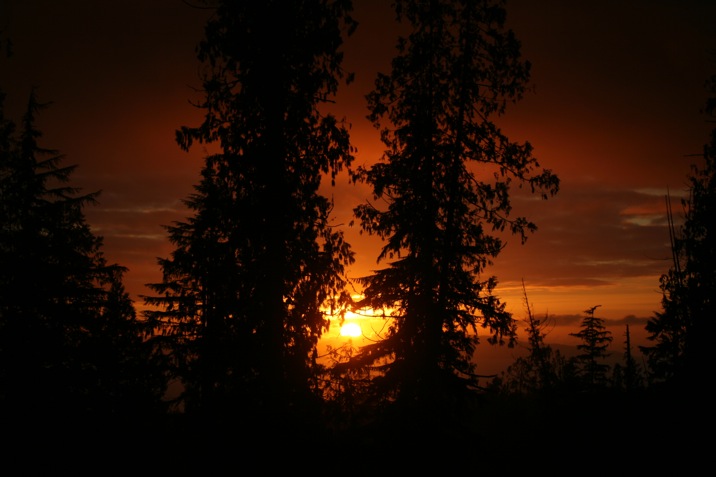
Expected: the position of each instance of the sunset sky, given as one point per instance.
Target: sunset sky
(614, 108)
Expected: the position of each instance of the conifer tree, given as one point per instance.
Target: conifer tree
(70, 343)
(244, 293)
(441, 197)
(683, 330)
(628, 376)
(543, 370)
(595, 341)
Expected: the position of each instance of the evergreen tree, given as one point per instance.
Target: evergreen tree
(683, 330)
(70, 343)
(595, 341)
(628, 377)
(542, 371)
(243, 296)
(441, 196)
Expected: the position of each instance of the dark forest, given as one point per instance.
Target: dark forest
(221, 373)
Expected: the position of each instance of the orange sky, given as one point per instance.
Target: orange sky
(614, 110)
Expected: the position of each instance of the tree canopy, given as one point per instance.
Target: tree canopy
(441, 196)
(245, 292)
(681, 332)
(70, 342)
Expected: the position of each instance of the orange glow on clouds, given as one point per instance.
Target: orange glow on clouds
(602, 240)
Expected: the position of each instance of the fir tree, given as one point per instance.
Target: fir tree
(543, 370)
(441, 194)
(628, 377)
(683, 330)
(595, 341)
(244, 295)
(70, 343)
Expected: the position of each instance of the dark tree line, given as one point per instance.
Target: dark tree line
(70, 341)
(682, 332)
(546, 372)
(679, 361)
(258, 267)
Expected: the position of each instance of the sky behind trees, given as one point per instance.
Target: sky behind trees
(615, 112)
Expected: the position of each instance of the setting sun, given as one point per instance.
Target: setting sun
(351, 329)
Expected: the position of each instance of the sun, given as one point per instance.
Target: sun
(351, 329)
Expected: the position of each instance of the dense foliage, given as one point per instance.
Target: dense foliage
(441, 194)
(244, 296)
(70, 341)
(245, 293)
(683, 330)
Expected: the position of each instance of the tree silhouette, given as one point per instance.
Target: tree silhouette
(70, 342)
(595, 341)
(629, 376)
(243, 294)
(440, 193)
(683, 330)
(542, 371)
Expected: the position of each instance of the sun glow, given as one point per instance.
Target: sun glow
(351, 329)
(363, 323)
